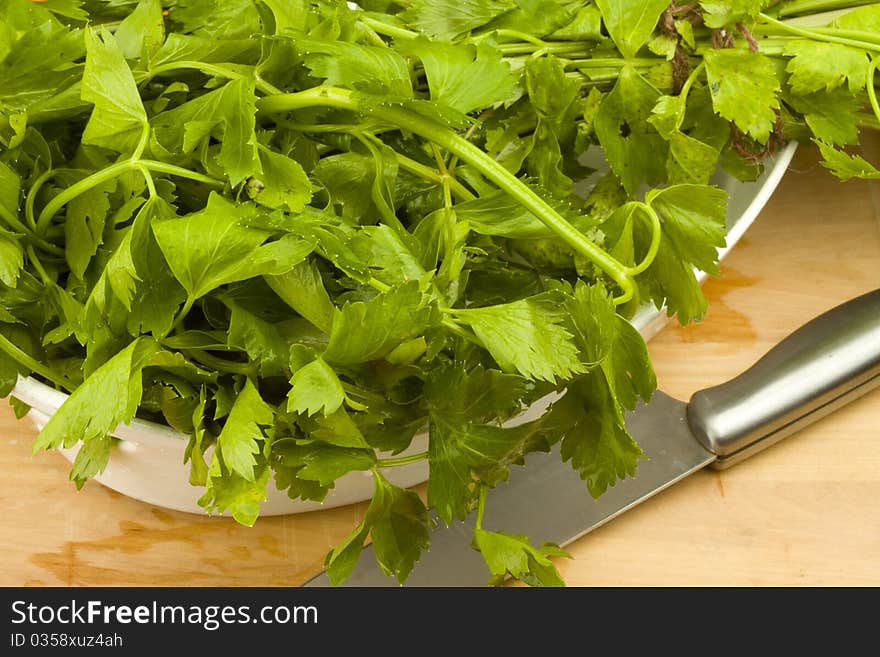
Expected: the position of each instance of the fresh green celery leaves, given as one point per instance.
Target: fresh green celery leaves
(457, 451)
(10, 191)
(226, 491)
(513, 555)
(631, 22)
(186, 47)
(84, 226)
(260, 338)
(118, 120)
(635, 150)
(555, 99)
(302, 288)
(211, 248)
(226, 113)
(497, 214)
(318, 464)
(452, 68)
(136, 282)
(384, 252)
(398, 524)
(846, 166)
(824, 66)
(142, 32)
(727, 13)
(585, 25)
(38, 55)
(371, 69)
(526, 336)
(447, 19)
(230, 19)
(11, 258)
(363, 332)
(282, 184)
(540, 18)
(239, 472)
(745, 90)
(832, 117)
(864, 19)
(91, 413)
(693, 219)
(689, 160)
(243, 433)
(91, 460)
(315, 387)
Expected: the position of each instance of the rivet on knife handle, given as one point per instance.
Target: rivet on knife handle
(823, 365)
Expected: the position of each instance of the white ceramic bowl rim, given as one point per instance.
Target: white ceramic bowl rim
(150, 435)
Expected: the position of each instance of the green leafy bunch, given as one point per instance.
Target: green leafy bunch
(307, 234)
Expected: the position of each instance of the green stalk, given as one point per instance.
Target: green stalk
(81, 187)
(857, 35)
(326, 96)
(656, 234)
(611, 62)
(401, 460)
(786, 28)
(432, 175)
(211, 69)
(221, 364)
(33, 365)
(481, 507)
(815, 6)
(17, 226)
(388, 30)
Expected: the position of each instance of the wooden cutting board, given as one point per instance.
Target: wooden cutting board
(806, 512)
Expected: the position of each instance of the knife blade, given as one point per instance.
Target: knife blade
(825, 364)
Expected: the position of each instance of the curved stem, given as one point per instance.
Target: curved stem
(142, 143)
(31, 198)
(432, 175)
(481, 507)
(214, 70)
(80, 187)
(387, 29)
(17, 226)
(148, 178)
(221, 364)
(187, 306)
(656, 235)
(34, 365)
(111, 172)
(326, 96)
(35, 261)
(401, 460)
(179, 172)
(385, 209)
(513, 34)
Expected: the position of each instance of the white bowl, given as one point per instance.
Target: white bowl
(148, 462)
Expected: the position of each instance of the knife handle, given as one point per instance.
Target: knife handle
(825, 364)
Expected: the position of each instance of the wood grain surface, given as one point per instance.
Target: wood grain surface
(805, 512)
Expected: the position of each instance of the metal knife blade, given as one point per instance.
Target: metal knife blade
(826, 363)
(549, 498)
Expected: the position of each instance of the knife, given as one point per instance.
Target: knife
(822, 366)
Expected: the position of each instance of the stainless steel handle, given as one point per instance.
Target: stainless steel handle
(823, 365)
